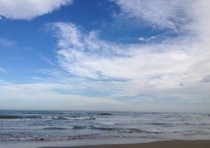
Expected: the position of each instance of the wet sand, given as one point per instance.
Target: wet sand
(160, 144)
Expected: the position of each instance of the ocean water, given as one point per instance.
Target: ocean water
(74, 125)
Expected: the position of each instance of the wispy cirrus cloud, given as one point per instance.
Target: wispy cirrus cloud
(160, 13)
(29, 9)
(183, 16)
(75, 46)
(6, 42)
(2, 70)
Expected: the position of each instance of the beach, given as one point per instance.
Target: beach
(159, 144)
(109, 144)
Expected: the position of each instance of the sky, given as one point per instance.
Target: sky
(118, 55)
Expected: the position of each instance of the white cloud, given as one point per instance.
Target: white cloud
(76, 47)
(29, 9)
(201, 19)
(88, 56)
(161, 13)
(146, 39)
(154, 68)
(47, 96)
(206, 79)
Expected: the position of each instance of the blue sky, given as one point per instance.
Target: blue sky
(105, 55)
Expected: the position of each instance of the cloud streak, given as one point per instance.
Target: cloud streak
(29, 9)
(2, 70)
(160, 13)
(6, 42)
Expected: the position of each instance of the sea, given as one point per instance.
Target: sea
(77, 125)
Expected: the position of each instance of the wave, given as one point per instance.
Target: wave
(73, 118)
(78, 127)
(105, 114)
(83, 118)
(60, 118)
(20, 117)
(35, 125)
(10, 117)
(161, 124)
(54, 128)
(104, 128)
(33, 117)
(119, 130)
(133, 130)
(62, 128)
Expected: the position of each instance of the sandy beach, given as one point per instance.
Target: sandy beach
(160, 144)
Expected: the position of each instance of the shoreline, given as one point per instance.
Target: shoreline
(179, 143)
(157, 144)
